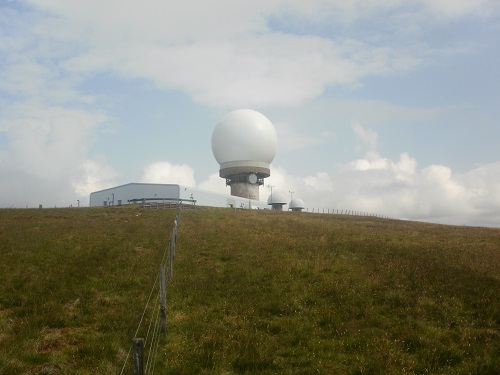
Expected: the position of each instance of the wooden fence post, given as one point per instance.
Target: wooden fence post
(178, 216)
(174, 238)
(170, 268)
(138, 356)
(163, 302)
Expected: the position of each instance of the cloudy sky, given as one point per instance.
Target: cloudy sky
(383, 106)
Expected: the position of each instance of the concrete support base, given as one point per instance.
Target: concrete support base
(245, 190)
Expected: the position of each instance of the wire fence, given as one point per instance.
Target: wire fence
(143, 351)
(142, 354)
(340, 211)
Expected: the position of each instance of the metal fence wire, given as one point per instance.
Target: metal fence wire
(144, 349)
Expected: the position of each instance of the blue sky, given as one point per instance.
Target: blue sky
(385, 106)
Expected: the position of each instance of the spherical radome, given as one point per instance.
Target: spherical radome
(297, 203)
(277, 197)
(244, 134)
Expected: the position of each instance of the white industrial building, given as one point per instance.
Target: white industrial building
(143, 193)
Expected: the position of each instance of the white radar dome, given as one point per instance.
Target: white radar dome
(297, 203)
(277, 197)
(244, 134)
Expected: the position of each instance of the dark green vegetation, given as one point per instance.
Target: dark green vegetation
(253, 292)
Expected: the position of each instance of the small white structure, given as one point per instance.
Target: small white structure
(141, 193)
(297, 204)
(244, 144)
(277, 200)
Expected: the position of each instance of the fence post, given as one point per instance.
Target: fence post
(170, 268)
(178, 215)
(163, 302)
(138, 356)
(174, 238)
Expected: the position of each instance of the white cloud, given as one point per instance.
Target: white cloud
(260, 70)
(20, 188)
(399, 189)
(368, 138)
(483, 183)
(320, 182)
(395, 188)
(46, 152)
(47, 125)
(156, 20)
(224, 54)
(94, 175)
(214, 183)
(45, 141)
(318, 185)
(164, 172)
(433, 194)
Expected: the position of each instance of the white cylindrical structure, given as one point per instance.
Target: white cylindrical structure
(297, 204)
(244, 144)
(277, 200)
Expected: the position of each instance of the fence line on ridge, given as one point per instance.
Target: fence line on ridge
(339, 211)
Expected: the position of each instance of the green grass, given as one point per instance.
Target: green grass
(267, 292)
(73, 286)
(253, 292)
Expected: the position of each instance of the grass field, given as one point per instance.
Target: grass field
(253, 292)
(74, 283)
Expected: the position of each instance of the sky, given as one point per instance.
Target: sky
(387, 106)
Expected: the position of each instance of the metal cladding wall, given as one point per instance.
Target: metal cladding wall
(122, 194)
(159, 192)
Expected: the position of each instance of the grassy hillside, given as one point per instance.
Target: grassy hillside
(253, 292)
(73, 286)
